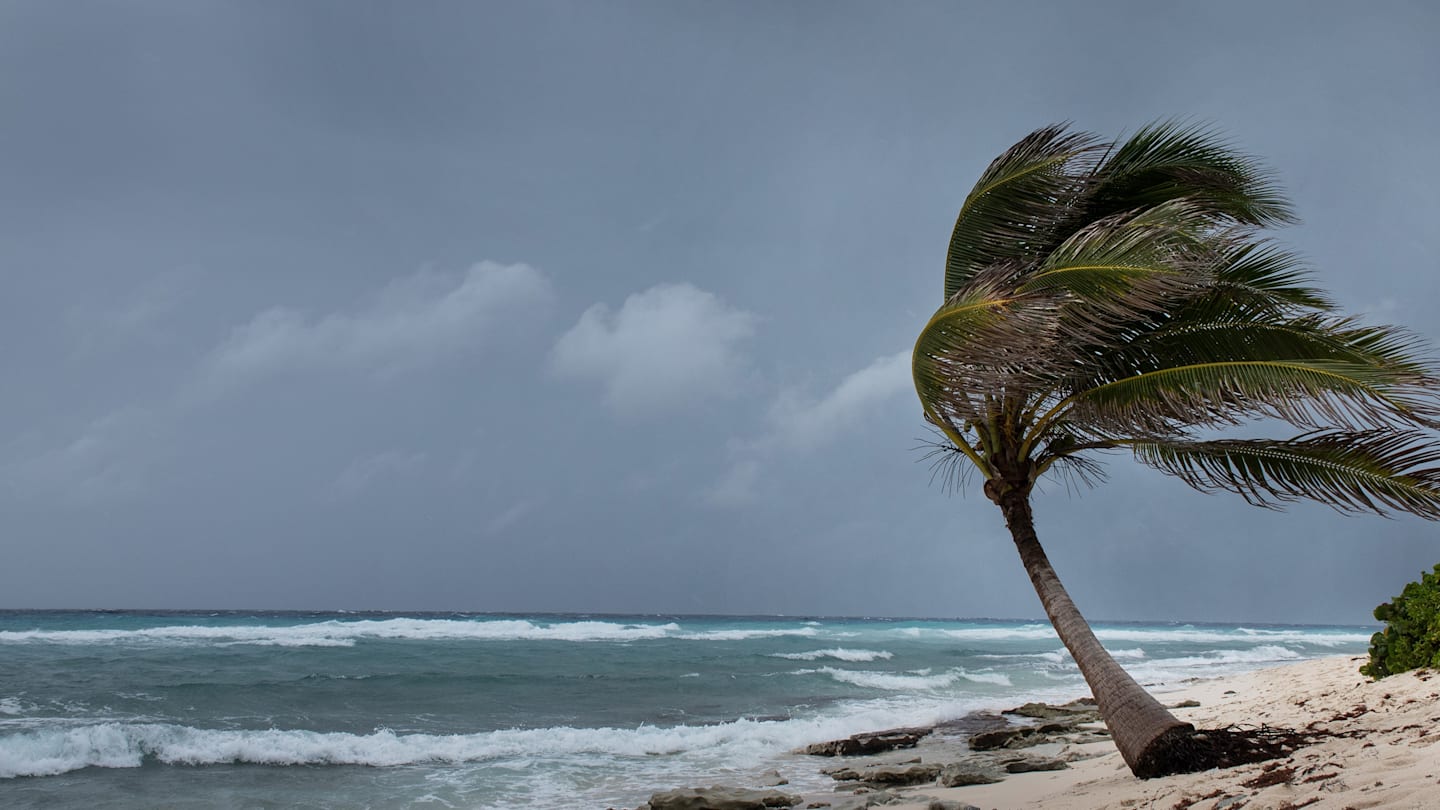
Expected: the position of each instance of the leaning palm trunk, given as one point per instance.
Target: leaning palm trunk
(1138, 724)
(1120, 297)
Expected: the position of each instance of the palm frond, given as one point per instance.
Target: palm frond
(1254, 274)
(985, 338)
(1019, 202)
(1306, 393)
(948, 464)
(1370, 471)
(1170, 159)
(1311, 337)
(1129, 265)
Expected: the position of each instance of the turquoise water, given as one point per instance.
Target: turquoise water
(219, 710)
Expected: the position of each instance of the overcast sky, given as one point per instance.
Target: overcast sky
(607, 306)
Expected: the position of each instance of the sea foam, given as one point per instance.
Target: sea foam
(839, 654)
(917, 680)
(346, 633)
(127, 745)
(1187, 635)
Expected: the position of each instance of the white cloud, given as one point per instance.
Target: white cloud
(414, 319)
(363, 473)
(799, 423)
(806, 423)
(670, 345)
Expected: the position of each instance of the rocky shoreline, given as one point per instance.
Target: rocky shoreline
(980, 748)
(1370, 744)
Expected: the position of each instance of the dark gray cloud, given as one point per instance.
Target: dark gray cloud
(607, 306)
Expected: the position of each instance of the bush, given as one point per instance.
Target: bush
(1411, 637)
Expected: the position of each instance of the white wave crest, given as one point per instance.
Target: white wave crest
(839, 654)
(1219, 662)
(126, 745)
(1192, 635)
(744, 635)
(346, 633)
(918, 680)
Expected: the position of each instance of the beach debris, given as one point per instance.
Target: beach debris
(717, 797)
(872, 743)
(1187, 801)
(1272, 774)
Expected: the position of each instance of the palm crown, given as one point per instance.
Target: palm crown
(1120, 296)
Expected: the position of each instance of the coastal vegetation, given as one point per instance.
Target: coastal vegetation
(1122, 296)
(1411, 638)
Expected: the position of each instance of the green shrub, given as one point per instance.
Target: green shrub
(1411, 637)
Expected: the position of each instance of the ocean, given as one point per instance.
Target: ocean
(358, 710)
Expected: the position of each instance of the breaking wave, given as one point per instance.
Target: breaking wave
(839, 654)
(346, 633)
(918, 680)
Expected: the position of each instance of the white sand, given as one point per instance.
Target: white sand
(1388, 756)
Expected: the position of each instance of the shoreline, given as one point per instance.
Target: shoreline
(1377, 746)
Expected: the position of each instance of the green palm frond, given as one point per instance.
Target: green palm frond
(1256, 275)
(1375, 471)
(1170, 159)
(1019, 202)
(1305, 393)
(1310, 337)
(1129, 265)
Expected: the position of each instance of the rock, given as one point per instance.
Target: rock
(886, 774)
(873, 743)
(900, 774)
(1076, 711)
(875, 798)
(721, 798)
(1003, 738)
(1029, 765)
(960, 775)
(942, 804)
(773, 778)
(1018, 737)
(1186, 704)
(1057, 728)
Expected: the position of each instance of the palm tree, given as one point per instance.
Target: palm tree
(1119, 296)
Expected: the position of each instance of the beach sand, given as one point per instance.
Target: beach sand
(1381, 749)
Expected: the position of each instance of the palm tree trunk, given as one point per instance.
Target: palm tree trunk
(1142, 729)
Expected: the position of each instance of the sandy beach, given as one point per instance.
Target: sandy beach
(1378, 746)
